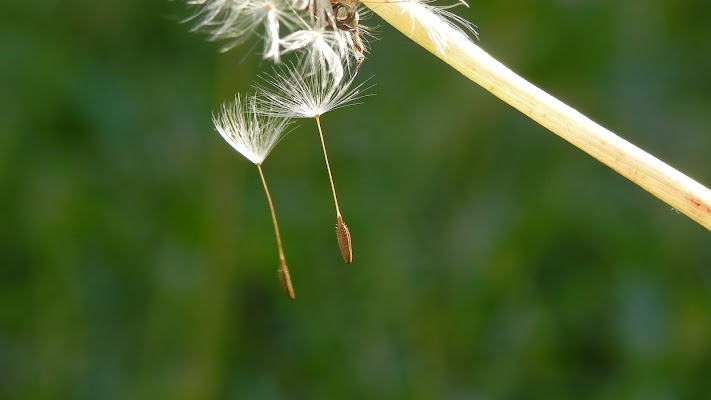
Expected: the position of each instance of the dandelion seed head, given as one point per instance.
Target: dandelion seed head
(248, 130)
(236, 21)
(296, 92)
(324, 38)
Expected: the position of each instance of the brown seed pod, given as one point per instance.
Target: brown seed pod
(344, 240)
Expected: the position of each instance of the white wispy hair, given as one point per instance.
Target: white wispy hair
(248, 130)
(309, 25)
(316, 8)
(424, 11)
(346, 42)
(295, 92)
(325, 49)
(237, 20)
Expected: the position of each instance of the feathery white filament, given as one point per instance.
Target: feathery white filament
(295, 92)
(236, 21)
(305, 26)
(248, 130)
(324, 50)
(423, 11)
(271, 45)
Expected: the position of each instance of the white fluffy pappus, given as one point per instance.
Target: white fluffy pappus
(288, 25)
(248, 130)
(296, 92)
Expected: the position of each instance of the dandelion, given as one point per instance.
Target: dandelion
(325, 33)
(297, 93)
(254, 135)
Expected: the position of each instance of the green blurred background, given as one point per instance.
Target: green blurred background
(493, 260)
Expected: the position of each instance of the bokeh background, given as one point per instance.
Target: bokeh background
(493, 260)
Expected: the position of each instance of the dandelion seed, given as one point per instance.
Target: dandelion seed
(294, 93)
(254, 135)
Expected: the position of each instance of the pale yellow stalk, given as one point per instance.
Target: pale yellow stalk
(676, 189)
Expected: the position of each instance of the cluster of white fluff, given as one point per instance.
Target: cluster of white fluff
(248, 131)
(326, 35)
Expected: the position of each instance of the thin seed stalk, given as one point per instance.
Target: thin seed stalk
(328, 165)
(283, 271)
(343, 234)
(666, 183)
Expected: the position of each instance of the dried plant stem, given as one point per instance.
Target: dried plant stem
(342, 233)
(284, 276)
(658, 178)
